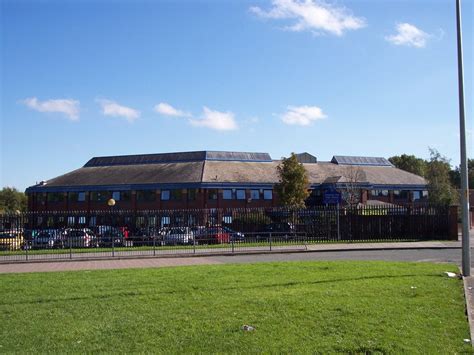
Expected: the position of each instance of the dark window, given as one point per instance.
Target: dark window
(267, 194)
(192, 194)
(55, 197)
(400, 194)
(165, 195)
(227, 194)
(176, 195)
(376, 193)
(240, 194)
(100, 196)
(255, 194)
(146, 195)
(41, 197)
(125, 195)
(212, 194)
(77, 196)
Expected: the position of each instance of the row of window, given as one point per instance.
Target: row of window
(400, 194)
(150, 195)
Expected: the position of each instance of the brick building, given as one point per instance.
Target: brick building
(209, 179)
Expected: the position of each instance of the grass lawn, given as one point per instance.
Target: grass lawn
(295, 307)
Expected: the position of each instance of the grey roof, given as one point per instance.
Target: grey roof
(306, 158)
(352, 160)
(176, 157)
(221, 172)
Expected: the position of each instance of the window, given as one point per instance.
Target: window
(77, 196)
(165, 221)
(192, 194)
(375, 193)
(424, 194)
(416, 195)
(55, 197)
(176, 195)
(227, 194)
(212, 194)
(41, 197)
(227, 219)
(71, 220)
(240, 194)
(82, 220)
(116, 195)
(267, 194)
(400, 194)
(165, 195)
(99, 196)
(146, 195)
(255, 194)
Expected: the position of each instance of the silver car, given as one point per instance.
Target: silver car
(178, 235)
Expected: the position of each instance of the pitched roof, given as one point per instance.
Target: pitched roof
(218, 168)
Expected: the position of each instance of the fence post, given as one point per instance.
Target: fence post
(338, 226)
(113, 243)
(194, 244)
(232, 243)
(154, 245)
(27, 247)
(270, 241)
(453, 222)
(70, 247)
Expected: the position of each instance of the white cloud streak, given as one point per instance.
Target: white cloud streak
(302, 115)
(113, 109)
(167, 110)
(216, 120)
(68, 107)
(315, 16)
(408, 35)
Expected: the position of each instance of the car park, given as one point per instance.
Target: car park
(46, 239)
(78, 238)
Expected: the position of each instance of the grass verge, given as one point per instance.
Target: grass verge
(294, 306)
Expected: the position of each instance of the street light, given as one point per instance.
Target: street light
(466, 252)
(111, 203)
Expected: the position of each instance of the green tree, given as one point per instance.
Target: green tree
(410, 163)
(12, 200)
(293, 186)
(456, 175)
(438, 175)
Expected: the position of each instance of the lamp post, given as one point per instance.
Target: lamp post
(466, 252)
(111, 204)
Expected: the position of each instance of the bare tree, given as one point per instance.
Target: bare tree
(352, 191)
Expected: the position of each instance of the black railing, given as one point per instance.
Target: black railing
(79, 234)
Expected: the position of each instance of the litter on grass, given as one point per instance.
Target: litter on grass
(467, 340)
(450, 274)
(247, 328)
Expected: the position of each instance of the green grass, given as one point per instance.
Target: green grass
(296, 307)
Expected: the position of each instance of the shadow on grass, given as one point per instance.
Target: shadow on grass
(130, 294)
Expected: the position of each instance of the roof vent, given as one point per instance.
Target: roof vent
(43, 182)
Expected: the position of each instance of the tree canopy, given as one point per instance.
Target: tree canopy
(293, 186)
(410, 163)
(12, 200)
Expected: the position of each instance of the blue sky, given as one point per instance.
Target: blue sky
(90, 78)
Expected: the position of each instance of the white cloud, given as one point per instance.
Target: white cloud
(68, 107)
(408, 35)
(312, 15)
(168, 110)
(220, 121)
(302, 115)
(111, 108)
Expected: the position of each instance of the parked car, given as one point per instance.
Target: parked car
(46, 239)
(234, 235)
(212, 235)
(78, 238)
(109, 237)
(178, 235)
(11, 240)
(278, 231)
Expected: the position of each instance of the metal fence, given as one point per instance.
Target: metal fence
(99, 234)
